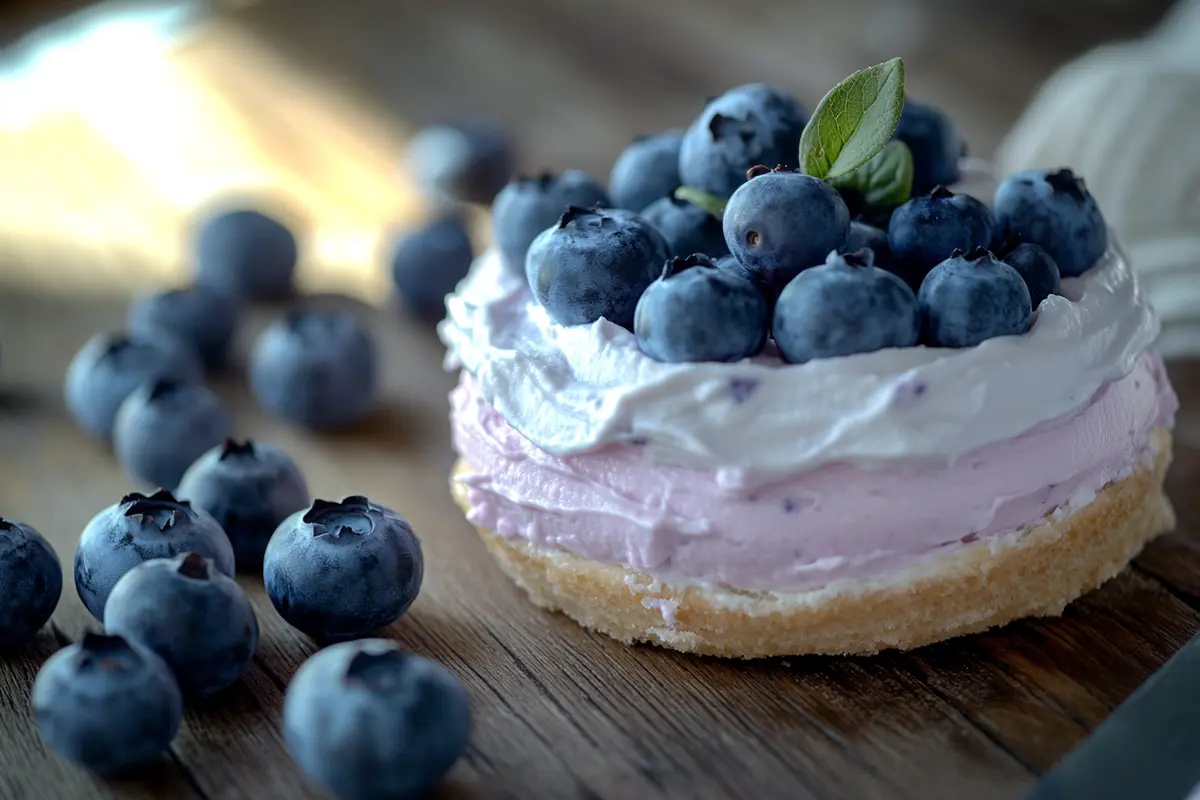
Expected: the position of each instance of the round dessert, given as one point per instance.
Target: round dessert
(908, 464)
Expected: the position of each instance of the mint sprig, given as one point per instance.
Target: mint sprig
(698, 197)
(854, 121)
(883, 182)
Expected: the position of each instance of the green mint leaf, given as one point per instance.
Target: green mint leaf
(698, 197)
(885, 181)
(854, 121)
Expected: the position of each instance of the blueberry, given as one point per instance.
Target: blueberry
(246, 253)
(428, 263)
(844, 307)
(927, 229)
(748, 125)
(195, 618)
(110, 366)
(316, 368)
(465, 162)
(248, 488)
(343, 570)
(647, 170)
(863, 236)
(934, 143)
(968, 299)
(369, 721)
(527, 206)
(106, 704)
(1054, 209)
(687, 228)
(196, 316)
(31, 578)
(595, 264)
(137, 529)
(781, 222)
(1036, 267)
(699, 312)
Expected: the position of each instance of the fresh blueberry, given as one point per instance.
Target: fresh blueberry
(699, 312)
(318, 369)
(196, 316)
(687, 228)
(934, 143)
(195, 618)
(1036, 266)
(527, 206)
(32, 580)
(343, 570)
(867, 237)
(137, 529)
(647, 170)
(428, 263)
(927, 229)
(164, 426)
(781, 222)
(595, 264)
(968, 299)
(1054, 209)
(248, 488)
(368, 721)
(748, 125)
(465, 162)
(108, 369)
(246, 253)
(843, 307)
(106, 704)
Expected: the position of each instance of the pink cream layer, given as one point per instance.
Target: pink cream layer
(834, 523)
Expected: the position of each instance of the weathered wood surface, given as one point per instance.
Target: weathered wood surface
(95, 203)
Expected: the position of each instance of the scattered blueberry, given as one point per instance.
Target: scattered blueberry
(428, 263)
(647, 170)
(246, 253)
(781, 222)
(843, 307)
(137, 529)
(248, 488)
(196, 316)
(927, 229)
(369, 721)
(110, 366)
(699, 312)
(934, 143)
(1036, 267)
(194, 617)
(863, 236)
(748, 125)
(106, 704)
(527, 206)
(343, 570)
(32, 580)
(968, 299)
(595, 264)
(1054, 209)
(687, 228)
(467, 162)
(316, 368)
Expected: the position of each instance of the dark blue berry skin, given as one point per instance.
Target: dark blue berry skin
(248, 488)
(247, 254)
(343, 570)
(699, 312)
(927, 229)
(428, 263)
(595, 264)
(527, 206)
(1054, 209)
(748, 125)
(687, 228)
(863, 236)
(30, 582)
(196, 316)
(781, 222)
(969, 299)
(318, 369)
(110, 366)
(137, 529)
(465, 162)
(106, 704)
(165, 426)
(1037, 268)
(369, 721)
(934, 143)
(844, 307)
(646, 171)
(188, 613)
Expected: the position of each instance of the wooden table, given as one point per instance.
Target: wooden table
(95, 194)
